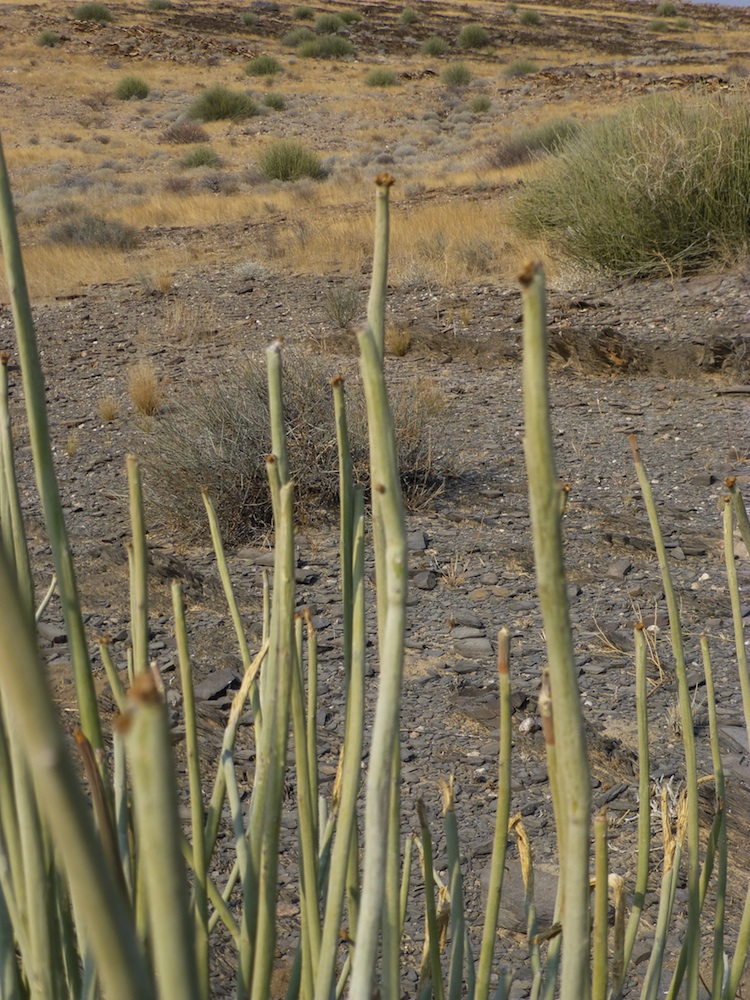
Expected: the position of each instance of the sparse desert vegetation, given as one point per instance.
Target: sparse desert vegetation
(169, 240)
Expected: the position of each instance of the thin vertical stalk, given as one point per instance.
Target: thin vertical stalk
(599, 973)
(229, 596)
(740, 953)
(734, 597)
(312, 722)
(688, 733)
(500, 843)
(343, 854)
(458, 915)
(139, 570)
(573, 768)
(390, 977)
(122, 812)
(379, 283)
(672, 848)
(158, 830)
(96, 897)
(644, 809)
(433, 938)
(36, 413)
(392, 589)
(20, 551)
(276, 409)
(283, 641)
(721, 833)
(532, 927)
(346, 503)
(200, 902)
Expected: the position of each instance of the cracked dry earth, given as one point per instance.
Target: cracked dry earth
(663, 360)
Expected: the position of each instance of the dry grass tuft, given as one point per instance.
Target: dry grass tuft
(108, 408)
(397, 340)
(145, 389)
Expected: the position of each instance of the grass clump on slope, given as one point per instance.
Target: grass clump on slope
(662, 187)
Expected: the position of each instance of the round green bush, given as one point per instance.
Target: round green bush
(159, 4)
(328, 24)
(131, 88)
(479, 104)
(216, 103)
(434, 46)
(94, 231)
(529, 17)
(518, 68)
(297, 36)
(289, 160)
(456, 75)
(661, 188)
(666, 9)
(277, 102)
(381, 77)
(408, 16)
(350, 16)
(473, 36)
(93, 12)
(201, 156)
(48, 39)
(303, 13)
(263, 65)
(326, 47)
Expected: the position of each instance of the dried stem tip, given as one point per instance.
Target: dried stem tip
(527, 272)
(385, 180)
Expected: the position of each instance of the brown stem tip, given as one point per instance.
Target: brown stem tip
(527, 272)
(385, 180)
(730, 481)
(337, 380)
(4, 358)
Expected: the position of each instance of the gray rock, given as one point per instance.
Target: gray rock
(467, 632)
(426, 580)
(416, 541)
(619, 568)
(474, 648)
(465, 616)
(215, 684)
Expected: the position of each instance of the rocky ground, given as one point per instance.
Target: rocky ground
(665, 360)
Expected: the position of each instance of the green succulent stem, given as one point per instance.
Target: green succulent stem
(573, 819)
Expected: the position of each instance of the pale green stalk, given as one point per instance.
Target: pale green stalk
(688, 734)
(599, 974)
(573, 769)
(18, 549)
(644, 809)
(433, 938)
(740, 953)
(36, 413)
(721, 833)
(532, 927)
(158, 830)
(405, 877)
(500, 842)
(458, 915)
(312, 720)
(552, 965)
(48, 595)
(342, 850)
(739, 509)
(115, 684)
(276, 410)
(346, 502)
(306, 828)
(390, 975)
(139, 570)
(10, 986)
(231, 599)
(379, 282)
(734, 597)
(283, 648)
(97, 899)
(200, 915)
(672, 848)
(249, 878)
(122, 811)
(392, 589)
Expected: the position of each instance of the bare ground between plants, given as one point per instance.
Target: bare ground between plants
(664, 360)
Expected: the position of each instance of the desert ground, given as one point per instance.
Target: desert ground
(224, 261)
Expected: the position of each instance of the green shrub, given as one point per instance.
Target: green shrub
(48, 39)
(683, 23)
(529, 17)
(657, 189)
(530, 143)
(408, 16)
(328, 24)
(350, 16)
(263, 65)
(160, 4)
(217, 436)
(666, 9)
(275, 101)
(249, 18)
(94, 231)
(519, 67)
(216, 103)
(93, 12)
(342, 304)
(473, 36)
(434, 46)
(289, 160)
(303, 13)
(201, 156)
(327, 47)
(456, 75)
(297, 36)
(479, 104)
(657, 24)
(381, 77)
(131, 88)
